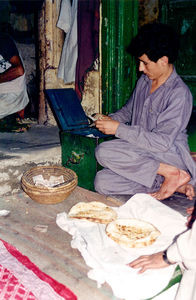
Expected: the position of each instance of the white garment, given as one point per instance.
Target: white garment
(13, 96)
(12, 102)
(68, 22)
(13, 93)
(13, 86)
(184, 250)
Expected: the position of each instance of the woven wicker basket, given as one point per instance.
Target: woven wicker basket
(49, 195)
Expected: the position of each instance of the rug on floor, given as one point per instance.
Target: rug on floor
(20, 279)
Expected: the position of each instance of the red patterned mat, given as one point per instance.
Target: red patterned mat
(20, 279)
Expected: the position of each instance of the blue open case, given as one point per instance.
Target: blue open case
(69, 112)
(78, 140)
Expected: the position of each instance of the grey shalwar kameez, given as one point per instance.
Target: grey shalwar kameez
(152, 130)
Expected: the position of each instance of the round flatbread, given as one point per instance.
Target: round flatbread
(94, 211)
(132, 233)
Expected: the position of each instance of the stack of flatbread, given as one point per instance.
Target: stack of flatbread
(131, 233)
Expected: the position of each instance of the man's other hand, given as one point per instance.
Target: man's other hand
(107, 126)
(97, 116)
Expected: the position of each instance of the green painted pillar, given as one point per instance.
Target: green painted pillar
(119, 25)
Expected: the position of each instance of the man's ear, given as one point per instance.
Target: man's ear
(164, 60)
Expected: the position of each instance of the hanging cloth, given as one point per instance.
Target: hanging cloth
(88, 40)
(67, 21)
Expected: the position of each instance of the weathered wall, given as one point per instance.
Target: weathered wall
(91, 95)
(50, 45)
(27, 52)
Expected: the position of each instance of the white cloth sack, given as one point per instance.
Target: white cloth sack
(108, 260)
(67, 21)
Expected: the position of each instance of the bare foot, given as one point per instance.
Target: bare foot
(174, 178)
(188, 190)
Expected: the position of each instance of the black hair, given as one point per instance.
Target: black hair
(155, 40)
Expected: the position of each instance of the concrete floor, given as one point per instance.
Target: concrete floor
(50, 250)
(40, 145)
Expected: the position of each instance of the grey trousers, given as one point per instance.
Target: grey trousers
(128, 169)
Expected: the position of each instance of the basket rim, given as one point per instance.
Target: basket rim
(58, 188)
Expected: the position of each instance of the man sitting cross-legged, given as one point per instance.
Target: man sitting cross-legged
(150, 153)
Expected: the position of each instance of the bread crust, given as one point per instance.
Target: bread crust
(94, 211)
(132, 233)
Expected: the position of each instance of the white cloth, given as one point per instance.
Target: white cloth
(108, 260)
(13, 93)
(12, 102)
(184, 251)
(68, 23)
(13, 86)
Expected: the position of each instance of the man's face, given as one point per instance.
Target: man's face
(152, 69)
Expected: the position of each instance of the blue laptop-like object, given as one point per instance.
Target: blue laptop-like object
(69, 112)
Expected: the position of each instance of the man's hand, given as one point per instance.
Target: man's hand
(145, 262)
(107, 126)
(100, 117)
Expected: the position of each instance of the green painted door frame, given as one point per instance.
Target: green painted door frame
(180, 14)
(119, 25)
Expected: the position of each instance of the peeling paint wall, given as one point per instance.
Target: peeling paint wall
(51, 40)
(91, 95)
(49, 51)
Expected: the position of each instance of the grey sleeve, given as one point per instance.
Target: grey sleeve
(124, 114)
(168, 124)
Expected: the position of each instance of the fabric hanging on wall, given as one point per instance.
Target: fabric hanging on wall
(67, 21)
(88, 40)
